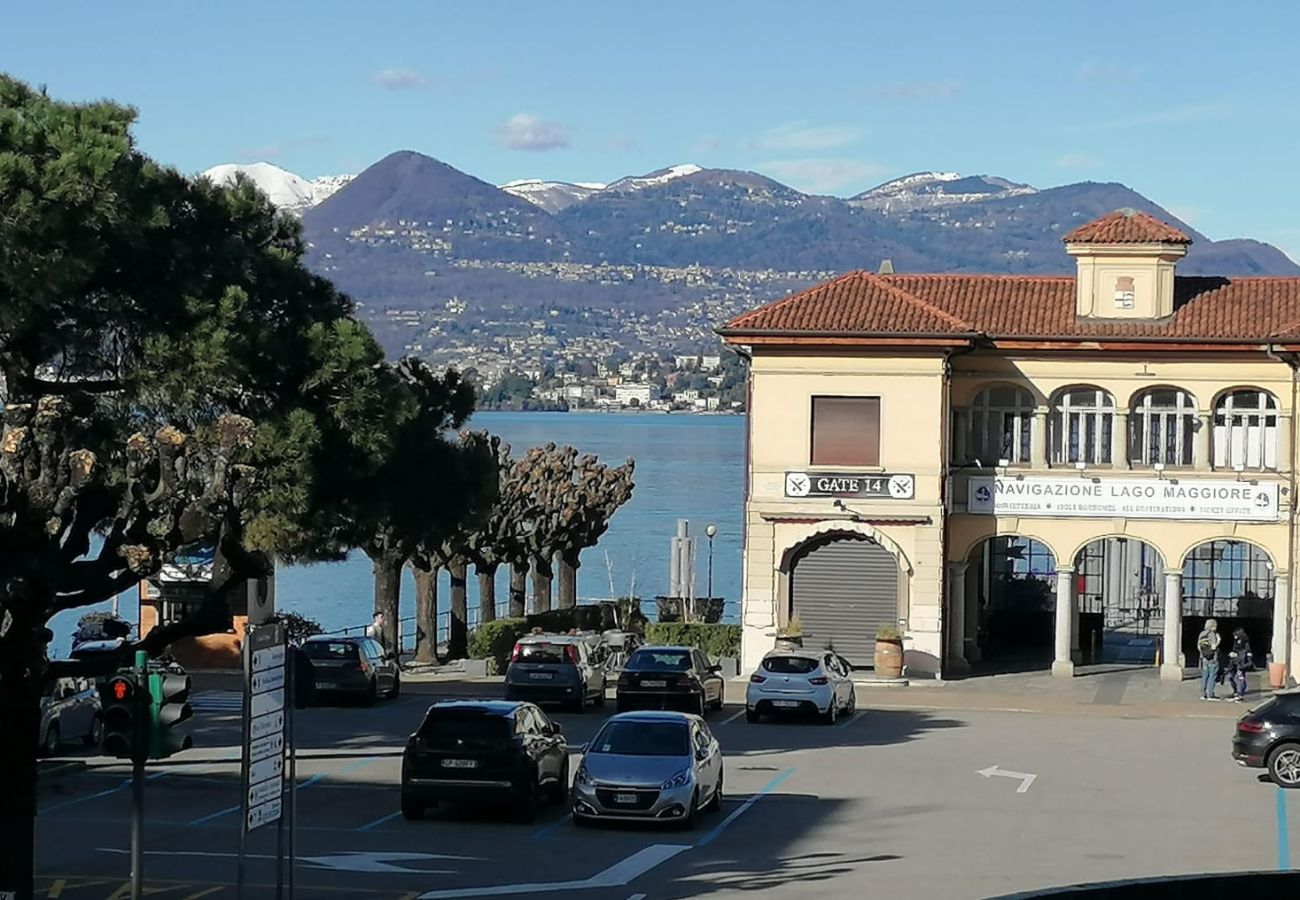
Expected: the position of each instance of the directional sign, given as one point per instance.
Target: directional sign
(267, 724)
(260, 793)
(265, 814)
(271, 701)
(263, 770)
(268, 680)
(270, 658)
(271, 745)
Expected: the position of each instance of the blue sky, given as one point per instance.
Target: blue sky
(1193, 104)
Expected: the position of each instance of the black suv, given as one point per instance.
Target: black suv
(490, 751)
(678, 678)
(1268, 737)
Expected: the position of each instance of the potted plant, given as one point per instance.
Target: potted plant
(889, 651)
(790, 635)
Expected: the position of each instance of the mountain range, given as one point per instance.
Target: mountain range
(413, 233)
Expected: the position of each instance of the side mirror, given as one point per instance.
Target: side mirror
(556, 729)
(582, 748)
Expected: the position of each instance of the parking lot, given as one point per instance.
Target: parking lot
(901, 802)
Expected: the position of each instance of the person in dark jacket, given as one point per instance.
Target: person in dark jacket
(1240, 661)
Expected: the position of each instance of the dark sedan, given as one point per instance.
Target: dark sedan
(678, 678)
(1268, 737)
(493, 751)
(356, 666)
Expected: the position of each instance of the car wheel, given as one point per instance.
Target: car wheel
(752, 717)
(397, 686)
(526, 800)
(50, 745)
(411, 810)
(95, 736)
(579, 704)
(600, 697)
(371, 694)
(1284, 765)
(693, 814)
(852, 706)
(561, 789)
(832, 713)
(715, 802)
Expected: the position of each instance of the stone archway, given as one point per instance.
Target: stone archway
(1007, 589)
(1119, 600)
(1236, 583)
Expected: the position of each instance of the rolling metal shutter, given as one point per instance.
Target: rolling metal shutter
(842, 591)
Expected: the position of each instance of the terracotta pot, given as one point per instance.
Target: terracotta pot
(889, 658)
(1277, 675)
(789, 642)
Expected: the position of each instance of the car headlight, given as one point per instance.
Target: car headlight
(681, 779)
(582, 777)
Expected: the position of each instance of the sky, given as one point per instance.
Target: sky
(1192, 104)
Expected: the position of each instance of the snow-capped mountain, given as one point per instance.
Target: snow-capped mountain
(285, 189)
(922, 190)
(551, 196)
(659, 176)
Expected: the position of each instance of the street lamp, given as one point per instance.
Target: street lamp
(710, 530)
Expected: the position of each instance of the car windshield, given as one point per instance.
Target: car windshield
(450, 729)
(659, 661)
(632, 738)
(790, 665)
(542, 653)
(331, 650)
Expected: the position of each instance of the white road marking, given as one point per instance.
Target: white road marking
(733, 717)
(617, 875)
(348, 861)
(1025, 778)
(637, 897)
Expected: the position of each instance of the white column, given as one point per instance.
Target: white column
(1038, 439)
(1119, 440)
(1284, 443)
(1171, 655)
(1063, 664)
(956, 613)
(1201, 456)
(1281, 618)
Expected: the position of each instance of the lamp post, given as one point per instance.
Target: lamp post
(710, 530)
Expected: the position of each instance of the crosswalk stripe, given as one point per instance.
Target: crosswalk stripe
(217, 701)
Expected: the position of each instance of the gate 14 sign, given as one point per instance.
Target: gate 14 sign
(877, 485)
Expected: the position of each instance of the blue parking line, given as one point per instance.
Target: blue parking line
(1283, 839)
(737, 813)
(369, 826)
(303, 786)
(543, 832)
(126, 782)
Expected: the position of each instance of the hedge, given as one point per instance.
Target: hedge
(716, 640)
(495, 639)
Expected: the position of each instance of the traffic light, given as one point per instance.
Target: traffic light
(121, 710)
(169, 695)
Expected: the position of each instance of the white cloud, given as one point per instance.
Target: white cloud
(918, 90)
(798, 136)
(532, 133)
(1092, 70)
(1078, 161)
(821, 176)
(399, 79)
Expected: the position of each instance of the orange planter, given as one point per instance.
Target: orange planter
(1277, 675)
(889, 658)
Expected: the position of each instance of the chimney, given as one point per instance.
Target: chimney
(886, 267)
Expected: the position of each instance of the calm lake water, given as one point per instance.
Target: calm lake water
(687, 467)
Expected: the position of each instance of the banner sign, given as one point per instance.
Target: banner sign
(875, 486)
(1127, 498)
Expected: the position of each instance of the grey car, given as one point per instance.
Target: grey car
(558, 668)
(70, 710)
(358, 666)
(649, 766)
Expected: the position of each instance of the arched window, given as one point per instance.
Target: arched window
(1228, 578)
(1082, 424)
(1245, 430)
(999, 425)
(1161, 426)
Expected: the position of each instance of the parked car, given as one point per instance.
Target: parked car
(669, 678)
(353, 665)
(662, 766)
(558, 668)
(484, 751)
(800, 681)
(1268, 737)
(622, 644)
(70, 709)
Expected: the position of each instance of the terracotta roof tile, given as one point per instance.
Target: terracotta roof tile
(1127, 226)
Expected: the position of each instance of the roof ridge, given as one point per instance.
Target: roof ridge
(917, 301)
(1014, 276)
(739, 320)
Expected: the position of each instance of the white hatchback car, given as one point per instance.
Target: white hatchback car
(800, 681)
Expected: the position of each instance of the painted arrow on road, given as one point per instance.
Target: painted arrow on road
(1025, 778)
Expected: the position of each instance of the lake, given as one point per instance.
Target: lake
(687, 467)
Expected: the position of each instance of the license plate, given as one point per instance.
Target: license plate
(785, 704)
(459, 763)
(546, 675)
(654, 683)
(325, 685)
(625, 798)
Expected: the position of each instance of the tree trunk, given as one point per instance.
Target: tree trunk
(567, 568)
(518, 589)
(458, 627)
(20, 724)
(487, 592)
(426, 614)
(543, 572)
(388, 590)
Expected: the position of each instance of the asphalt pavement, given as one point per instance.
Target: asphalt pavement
(904, 803)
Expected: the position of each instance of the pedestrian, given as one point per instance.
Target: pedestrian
(1207, 643)
(376, 628)
(1240, 661)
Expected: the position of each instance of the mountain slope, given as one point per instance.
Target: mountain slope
(285, 189)
(551, 196)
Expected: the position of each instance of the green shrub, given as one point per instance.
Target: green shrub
(888, 632)
(716, 640)
(298, 627)
(495, 640)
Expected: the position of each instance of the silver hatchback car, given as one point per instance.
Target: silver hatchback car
(656, 766)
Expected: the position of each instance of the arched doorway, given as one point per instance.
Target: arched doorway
(842, 588)
(1234, 583)
(1119, 586)
(1010, 589)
